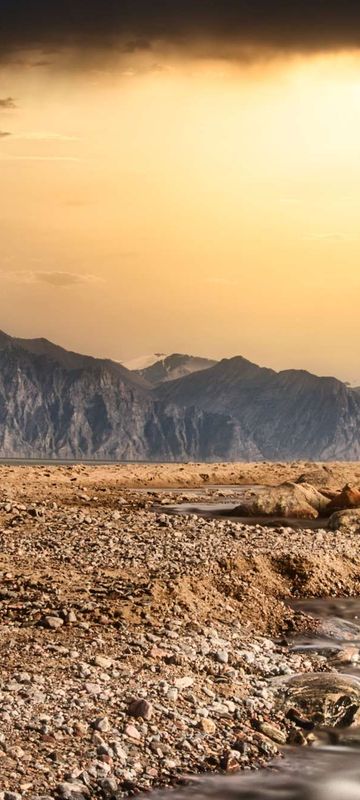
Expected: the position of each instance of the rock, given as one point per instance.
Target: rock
(103, 662)
(133, 733)
(109, 786)
(345, 519)
(230, 761)
(329, 699)
(172, 694)
(207, 725)
(140, 708)
(183, 683)
(273, 733)
(347, 498)
(93, 688)
(102, 724)
(291, 500)
(72, 791)
(222, 656)
(54, 623)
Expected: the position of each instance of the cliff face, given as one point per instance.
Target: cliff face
(288, 415)
(56, 404)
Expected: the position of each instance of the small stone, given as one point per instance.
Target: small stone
(133, 733)
(102, 661)
(54, 623)
(73, 791)
(93, 688)
(157, 652)
(222, 656)
(207, 725)
(231, 761)
(80, 728)
(140, 708)
(273, 733)
(102, 724)
(109, 785)
(172, 694)
(183, 683)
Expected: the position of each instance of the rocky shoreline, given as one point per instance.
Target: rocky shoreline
(139, 647)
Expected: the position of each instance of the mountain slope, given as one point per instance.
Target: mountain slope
(288, 415)
(172, 367)
(55, 404)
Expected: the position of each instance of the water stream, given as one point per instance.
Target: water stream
(325, 705)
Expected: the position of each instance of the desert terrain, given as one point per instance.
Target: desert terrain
(139, 646)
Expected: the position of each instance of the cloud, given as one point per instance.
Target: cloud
(3, 134)
(52, 278)
(7, 102)
(219, 25)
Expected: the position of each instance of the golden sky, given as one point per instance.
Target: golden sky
(208, 207)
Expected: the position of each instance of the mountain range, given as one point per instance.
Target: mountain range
(59, 404)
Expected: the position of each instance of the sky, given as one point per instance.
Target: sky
(183, 178)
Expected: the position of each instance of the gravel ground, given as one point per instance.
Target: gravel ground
(138, 647)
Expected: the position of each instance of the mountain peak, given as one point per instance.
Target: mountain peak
(172, 367)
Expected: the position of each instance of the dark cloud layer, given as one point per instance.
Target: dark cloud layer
(131, 25)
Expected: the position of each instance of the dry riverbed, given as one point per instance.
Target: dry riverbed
(137, 647)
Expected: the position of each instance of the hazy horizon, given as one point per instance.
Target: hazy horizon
(180, 193)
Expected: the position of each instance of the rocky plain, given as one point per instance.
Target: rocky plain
(139, 647)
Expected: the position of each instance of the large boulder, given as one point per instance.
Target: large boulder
(288, 500)
(324, 698)
(347, 498)
(345, 519)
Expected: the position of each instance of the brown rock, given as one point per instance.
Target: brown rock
(140, 708)
(207, 725)
(53, 623)
(230, 761)
(133, 733)
(289, 500)
(347, 498)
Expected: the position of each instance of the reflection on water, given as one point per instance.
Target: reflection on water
(224, 510)
(338, 630)
(330, 774)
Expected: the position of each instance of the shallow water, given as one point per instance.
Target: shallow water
(329, 769)
(216, 510)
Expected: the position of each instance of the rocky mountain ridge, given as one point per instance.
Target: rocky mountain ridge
(58, 404)
(173, 367)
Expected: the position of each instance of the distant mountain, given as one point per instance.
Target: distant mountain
(143, 362)
(169, 368)
(286, 415)
(59, 404)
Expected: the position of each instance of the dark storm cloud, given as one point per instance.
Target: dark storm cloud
(4, 134)
(130, 25)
